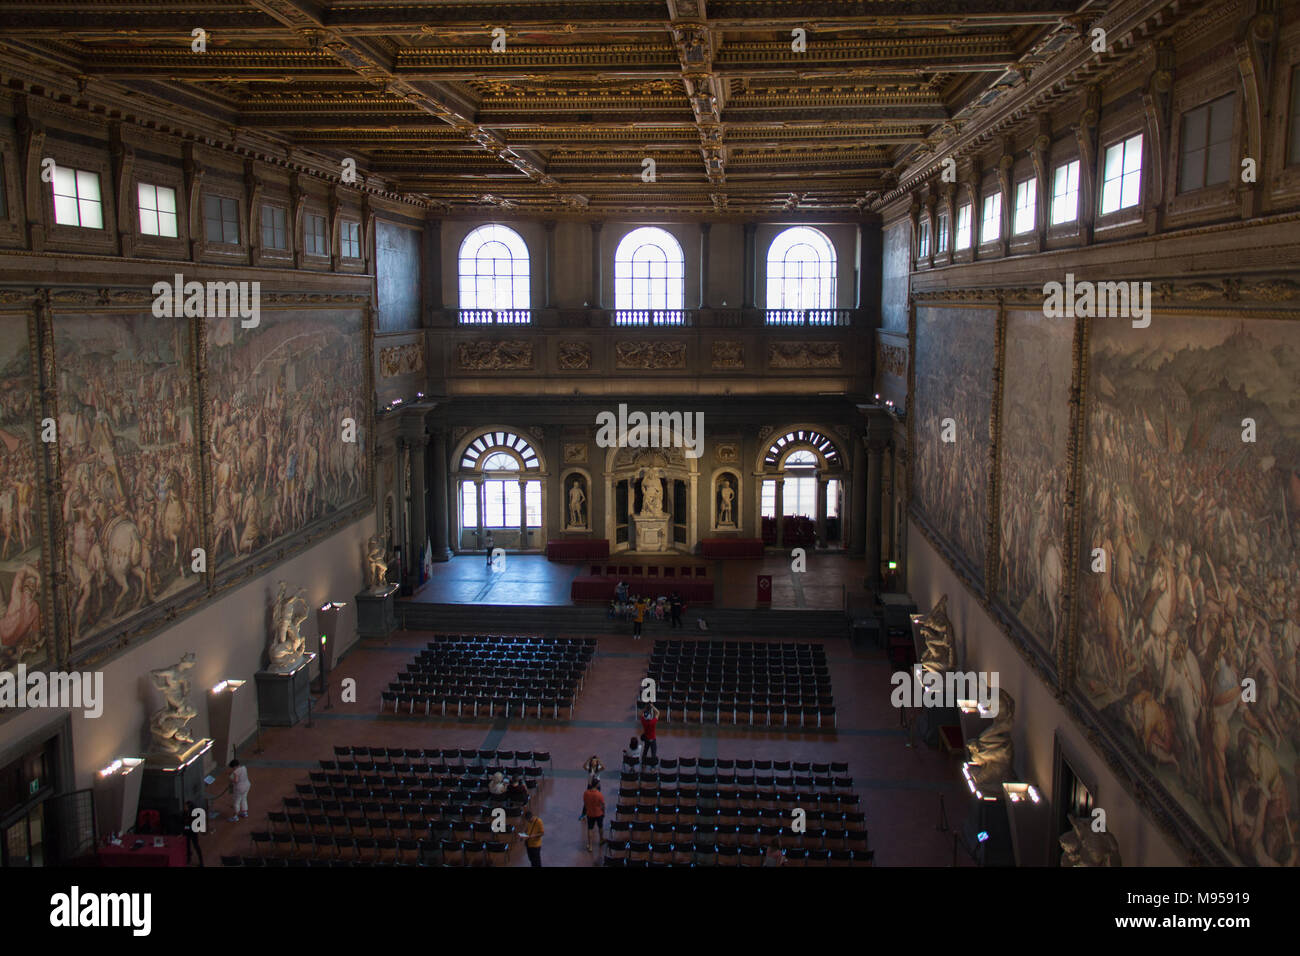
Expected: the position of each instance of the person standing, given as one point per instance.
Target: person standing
(593, 808)
(638, 615)
(532, 837)
(649, 720)
(593, 766)
(675, 605)
(490, 542)
(239, 787)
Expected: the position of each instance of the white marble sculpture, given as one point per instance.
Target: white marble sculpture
(652, 494)
(576, 499)
(727, 495)
(168, 726)
(376, 563)
(1084, 846)
(940, 653)
(287, 643)
(991, 752)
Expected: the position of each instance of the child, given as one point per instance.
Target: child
(239, 787)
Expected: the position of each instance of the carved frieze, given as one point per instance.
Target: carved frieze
(803, 355)
(892, 360)
(650, 355)
(573, 356)
(499, 356)
(575, 452)
(401, 360)
(728, 354)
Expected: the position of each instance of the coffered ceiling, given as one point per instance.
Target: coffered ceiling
(577, 95)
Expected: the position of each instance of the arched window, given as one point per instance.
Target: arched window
(649, 279)
(494, 276)
(800, 277)
(802, 489)
(497, 491)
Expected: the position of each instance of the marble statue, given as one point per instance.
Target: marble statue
(940, 653)
(376, 563)
(576, 499)
(168, 726)
(1083, 846)
(287, 642)
(991, 752)
(652, 494)
(724, 512)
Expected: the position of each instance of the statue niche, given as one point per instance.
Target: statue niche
(576, 495)
(726, 500)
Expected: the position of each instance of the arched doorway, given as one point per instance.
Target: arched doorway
(801, 480)
(500, 483)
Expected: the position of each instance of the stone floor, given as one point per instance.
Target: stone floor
(531, 579)
(900, 786)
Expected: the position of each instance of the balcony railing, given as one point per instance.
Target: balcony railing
(815, 317)
(651, 317)
(495, 316)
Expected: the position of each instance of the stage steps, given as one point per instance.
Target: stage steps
(788, 624)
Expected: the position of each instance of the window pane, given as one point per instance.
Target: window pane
(494, 497)
(833, 498)
(1133, 154)
(87, 185)
(167, 224)
(1191, 174)
(91, 216)
(1026, 205)
(533, 503)
(769, 499)
(468, 505)
(512, 492)
(1218, 163)
(65, 181)
(166, 199)
(1293, 153)
(65, 211)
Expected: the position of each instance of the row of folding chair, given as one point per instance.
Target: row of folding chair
(735, 801)
(433, 662)
(477, 705)
(666, 814)
(503, 763)
(377, 755)
(722, 660)
(742, 782)
(671, 854)
(414, 803)
(747, 647)
(376, 851)
(749, 711)
(478, 640)
(814, 838)
(302, 825)
(740, 764)
(440, 796)
(402, 785)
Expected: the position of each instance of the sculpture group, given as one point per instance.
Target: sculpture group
(168, 726)
(940, 646)
(376, 563)
(287, 643)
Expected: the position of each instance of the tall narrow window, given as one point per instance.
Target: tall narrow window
(941, 234)
(275, 233)
(493, 270)
(468, 504)
(221, 220)
(649, 274)
(1206, 158)
(351, 240)
(1065, 193)
(923, 242)
(157, 210)
(991, 225)
(800, 270)
(76, 198)
(768, 499)
(1122, 175)
(315, 242)
(963, 226)
(1026, 206)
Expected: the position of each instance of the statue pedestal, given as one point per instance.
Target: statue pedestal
(171, 779)
(376, 613)
(282, 695)
(651, 533)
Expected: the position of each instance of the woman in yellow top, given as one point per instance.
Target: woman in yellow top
(638, 616)
(532, 837)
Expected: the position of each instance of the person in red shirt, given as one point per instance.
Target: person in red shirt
(593, 808)
(648, 722)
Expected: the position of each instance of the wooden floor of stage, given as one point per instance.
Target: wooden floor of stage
(532, 579)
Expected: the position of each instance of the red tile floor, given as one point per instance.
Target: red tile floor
(900, 787)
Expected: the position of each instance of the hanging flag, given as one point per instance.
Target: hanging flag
(426, 561)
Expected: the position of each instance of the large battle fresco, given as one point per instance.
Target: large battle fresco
(955, 352)
(128, 460)
(1034, 484)
(278, 396)
(1202, 584)
(21, 639)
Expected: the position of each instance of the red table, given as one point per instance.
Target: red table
(171, 853)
